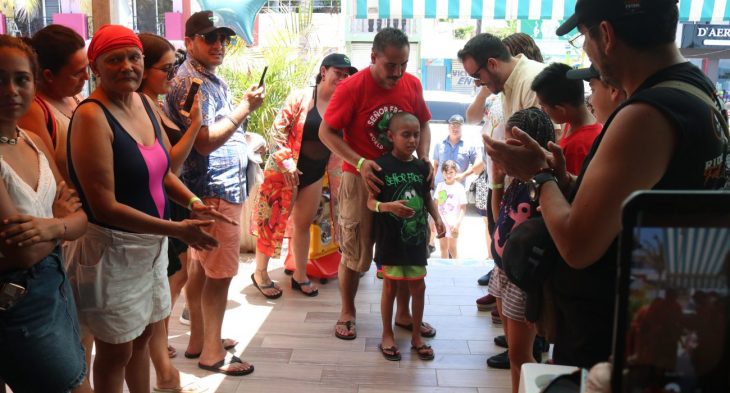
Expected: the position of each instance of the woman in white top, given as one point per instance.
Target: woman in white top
(39, 330)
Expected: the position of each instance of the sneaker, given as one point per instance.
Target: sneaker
(500, 361)
(486, 303)
(379, 274)
(185, 316)
(495, 317)
(431, 249)
(484, 280)
(501, 341)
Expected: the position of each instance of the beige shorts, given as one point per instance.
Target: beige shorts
(356, 224)
(222, 261)
(120, 282)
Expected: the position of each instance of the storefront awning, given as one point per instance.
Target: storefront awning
(689, 10)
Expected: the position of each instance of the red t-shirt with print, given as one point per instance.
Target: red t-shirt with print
(577, 145)
(359, 107)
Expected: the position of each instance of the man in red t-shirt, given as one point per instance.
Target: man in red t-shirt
(361, 107)
(563, 100)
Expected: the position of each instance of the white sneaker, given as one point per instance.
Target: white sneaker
(185, 317)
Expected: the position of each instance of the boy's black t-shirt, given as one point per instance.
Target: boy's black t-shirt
(402, 241)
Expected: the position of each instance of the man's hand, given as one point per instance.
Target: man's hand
(66, 201)
(399, 208)
(521, 157)
(556, 160)
(367, 171)
(253, 98)
(192, 233)
(201, 210)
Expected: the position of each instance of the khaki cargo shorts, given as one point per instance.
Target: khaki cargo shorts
(356, 224)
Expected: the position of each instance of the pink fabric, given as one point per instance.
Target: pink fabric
(156, 161)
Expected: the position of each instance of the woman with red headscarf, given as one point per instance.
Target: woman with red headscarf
(119, 164)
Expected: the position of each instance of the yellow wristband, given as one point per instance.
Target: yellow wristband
(193, 200)
(377, 206)
(359, 163)
(495, 186)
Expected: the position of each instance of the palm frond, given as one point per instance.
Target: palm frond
(25, 10)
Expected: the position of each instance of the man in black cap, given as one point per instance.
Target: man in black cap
(661, 137)
(604, 97)
(216, 172)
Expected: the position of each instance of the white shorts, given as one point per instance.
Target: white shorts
(513, 298)
(120, 282)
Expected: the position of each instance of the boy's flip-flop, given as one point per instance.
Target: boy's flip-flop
(390, 353)
(227, 361)
(232, 344)
(430, 331)
(350, 326)
(269, 286)
(424, 352)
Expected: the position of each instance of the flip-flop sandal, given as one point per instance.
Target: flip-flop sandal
(350, 325)
(431, 331)
(227, 361)
(298, 287)
(269, 286)
(424, 352)
(389, 353)
(171, 351)
(223, 341)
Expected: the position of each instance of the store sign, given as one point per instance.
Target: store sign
(705, 36)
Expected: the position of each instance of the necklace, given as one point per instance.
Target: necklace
(11, 141)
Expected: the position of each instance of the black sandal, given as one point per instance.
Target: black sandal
(350, 326)
(424, 352)
(298, 286)
(394, 354)
(269, 286)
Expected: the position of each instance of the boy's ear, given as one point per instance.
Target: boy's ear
(389, 133)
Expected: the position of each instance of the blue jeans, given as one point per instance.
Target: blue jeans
(39, 335)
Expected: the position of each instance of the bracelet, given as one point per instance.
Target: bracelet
(232, 121)
(377, 206)
(359, 163)
(193, 200)
(496, 186)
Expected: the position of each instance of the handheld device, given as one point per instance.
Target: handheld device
(672, 322)
(10, 293)
(263, 75)
(188, 104)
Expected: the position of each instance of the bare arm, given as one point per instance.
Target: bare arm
(214, 135)
(35, 122)
(180, 152)
(475, 111)
(434, 212)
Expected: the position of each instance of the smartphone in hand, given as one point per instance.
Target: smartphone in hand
(188, 104)
(263, 75)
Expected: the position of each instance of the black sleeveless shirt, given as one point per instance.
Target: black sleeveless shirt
(585, 298)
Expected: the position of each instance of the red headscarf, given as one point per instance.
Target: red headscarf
(110, 37)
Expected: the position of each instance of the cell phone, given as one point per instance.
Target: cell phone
(10, 293)
(263, 75)
(672, 309)
(188, 104)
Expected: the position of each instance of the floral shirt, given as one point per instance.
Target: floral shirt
(222, 173)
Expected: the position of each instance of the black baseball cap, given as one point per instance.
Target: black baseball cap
(585, 74)
(598, 10)
(204, 22)
(338, 60)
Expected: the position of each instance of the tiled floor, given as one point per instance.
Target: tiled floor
(291, 343)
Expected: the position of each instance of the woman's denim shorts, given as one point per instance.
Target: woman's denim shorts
(39, 335)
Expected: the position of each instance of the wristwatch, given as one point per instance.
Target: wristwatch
(542, 177)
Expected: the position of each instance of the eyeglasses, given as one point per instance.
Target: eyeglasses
(476, 75)
(578, 41)
(213, 37)
(169, 69)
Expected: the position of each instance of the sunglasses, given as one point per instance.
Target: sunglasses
(476, 75)
(213, 37)
(169, 70)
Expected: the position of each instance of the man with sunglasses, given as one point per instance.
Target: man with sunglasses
(216, 172)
